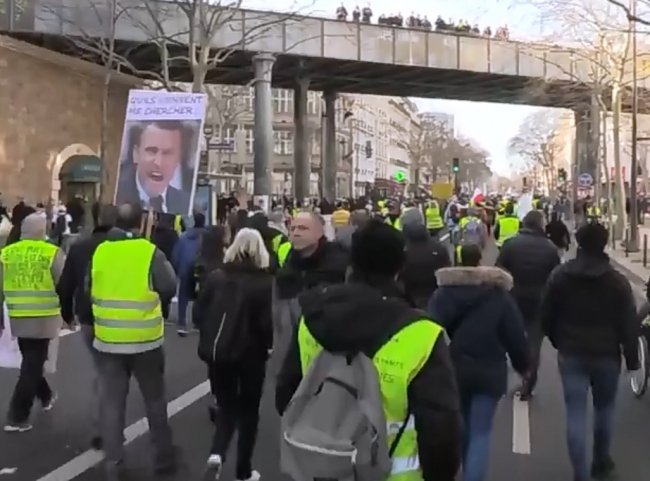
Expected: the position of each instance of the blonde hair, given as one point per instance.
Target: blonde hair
(248, 244)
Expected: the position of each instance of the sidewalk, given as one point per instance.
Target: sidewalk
(632, 264)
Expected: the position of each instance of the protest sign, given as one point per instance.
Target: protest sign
(160, 151)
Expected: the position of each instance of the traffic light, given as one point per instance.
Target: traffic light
(561, 175)
(455, 166)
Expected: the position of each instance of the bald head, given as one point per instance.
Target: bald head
(129, 216)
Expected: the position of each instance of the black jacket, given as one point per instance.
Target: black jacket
(424, 256)
(357, 317)
(327, 265)
(557, 232)
(165, 238)
(484, 324)
(588, 310)
(74, 300)
(530, 258)
(258, 285)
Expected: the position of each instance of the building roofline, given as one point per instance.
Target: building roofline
(79, 66)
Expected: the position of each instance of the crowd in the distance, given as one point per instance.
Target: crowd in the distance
(365, 14)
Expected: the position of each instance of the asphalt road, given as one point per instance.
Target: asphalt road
(528, 443)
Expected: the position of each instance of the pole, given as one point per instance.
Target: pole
(633, 245)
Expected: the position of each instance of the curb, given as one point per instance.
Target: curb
(637, 281)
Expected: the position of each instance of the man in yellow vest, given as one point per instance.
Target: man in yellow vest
(434, 219)
(29, 271)
(129, 335)
(369, 315)
(507, 226)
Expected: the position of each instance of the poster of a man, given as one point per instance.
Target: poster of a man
(160, 150)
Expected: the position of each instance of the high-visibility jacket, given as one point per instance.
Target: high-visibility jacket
(27, 281)
(178, 224)
(340, 217)
(508, 227)
(283, 253)
(434, 219)
(593, 211)
(535, 204)
(397, 362)
(395, 223)
(127, 312)
(276, 242)
(466, 220)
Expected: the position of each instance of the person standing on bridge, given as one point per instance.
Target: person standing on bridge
(129, 335)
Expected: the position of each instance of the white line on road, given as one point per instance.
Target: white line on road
(444, 237)
(520, 426)
(90, 458)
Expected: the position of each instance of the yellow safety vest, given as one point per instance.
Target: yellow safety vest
(27, 280)
(396, 223)
(466, 220)
(178, 224)
(128, 314)
(283, 253)
(593, 211)
(459, 254)
(397, 362)
(434, 220)
(508, 227)
(277, 242)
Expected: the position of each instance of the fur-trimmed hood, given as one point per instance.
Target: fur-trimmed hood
(474, 276)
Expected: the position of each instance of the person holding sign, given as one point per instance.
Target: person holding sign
(29, 271)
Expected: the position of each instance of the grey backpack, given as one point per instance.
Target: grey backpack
(472, 233)
(334, 427)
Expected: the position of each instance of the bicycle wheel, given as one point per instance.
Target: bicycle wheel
(639, 381)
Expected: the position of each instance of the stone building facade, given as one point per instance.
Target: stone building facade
(50, 112)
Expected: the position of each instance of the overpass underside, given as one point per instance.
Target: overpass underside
(339, 75)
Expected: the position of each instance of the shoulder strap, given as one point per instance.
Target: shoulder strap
(400, 433)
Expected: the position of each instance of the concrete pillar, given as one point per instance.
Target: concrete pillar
(263, 143)
(301, 164)
(328, 147)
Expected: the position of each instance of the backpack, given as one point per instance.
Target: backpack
(334, 427)
(225, 335)
(472, 233)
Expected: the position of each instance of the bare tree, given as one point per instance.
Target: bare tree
(600, 73)
(428, 148)
(536, 143)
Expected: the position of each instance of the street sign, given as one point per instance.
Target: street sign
(400, 176)
(585, 180)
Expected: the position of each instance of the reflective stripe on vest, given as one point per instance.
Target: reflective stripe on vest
(508, 227)
(127, 312)
(27, 281)
(434, 220)
(283, 253)
(397, 362)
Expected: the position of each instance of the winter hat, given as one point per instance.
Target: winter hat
(377, 250)
(412, 216)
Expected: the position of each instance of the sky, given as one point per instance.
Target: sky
(491, 125)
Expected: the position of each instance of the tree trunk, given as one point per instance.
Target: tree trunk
(619, 185)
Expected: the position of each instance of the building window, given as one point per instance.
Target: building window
(283, 100)
(250, 139)
(249, 99)
(313, 103)
(283, 142)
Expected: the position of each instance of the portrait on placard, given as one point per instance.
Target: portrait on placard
(160, 149)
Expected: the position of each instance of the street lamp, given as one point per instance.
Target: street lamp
(633, 238)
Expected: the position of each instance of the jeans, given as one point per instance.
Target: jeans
(478, 415)
(238, 391)
(578, 375)
(183, 301)
(31, 381)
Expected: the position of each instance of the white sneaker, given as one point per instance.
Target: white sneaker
(215, 464)
(255, 476)
(50, 404)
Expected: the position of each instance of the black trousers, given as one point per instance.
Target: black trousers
(535, 340)
(238, 391)
(31, 381)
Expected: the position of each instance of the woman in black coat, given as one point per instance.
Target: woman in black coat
(233, 314)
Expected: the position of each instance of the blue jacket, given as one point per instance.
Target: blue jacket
(185, 253)
(484, 324)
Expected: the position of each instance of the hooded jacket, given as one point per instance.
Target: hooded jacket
(356, 317)
(588, 310)
(184, 255)
(424, 256)
(482, 320)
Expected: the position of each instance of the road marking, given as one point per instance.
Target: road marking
(520, 426)
(444, 237)
(90, 458)
(67, 332)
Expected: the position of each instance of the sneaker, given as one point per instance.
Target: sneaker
(97, 443)
(215, 464)
(11, 427)
(50, 404)
(255, 476)
(182, 332)
(603, 471)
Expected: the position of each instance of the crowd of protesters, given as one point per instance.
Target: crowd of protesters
(365, 14)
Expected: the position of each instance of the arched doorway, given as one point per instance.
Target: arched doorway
(77, 172)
